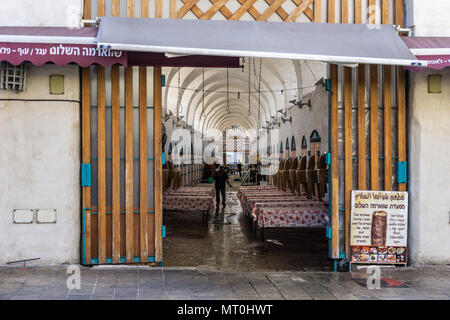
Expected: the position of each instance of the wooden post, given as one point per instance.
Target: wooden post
(385, 11)
(374, 127)
(87, 10)
(129, 163)
(115, 121)
(362, 185)
(387, 111)
(157, 144)
(387, 129)
(331, 11)
(318, 11)
(401, 100)
(158, 8)
(115, 133)
(101, 164)
(348, 153)
(130, 8)
(401, 121)
(86, 158)
(373, 111)
(146, 221)
(334, 163)
(101, 153)
(358, 11)
(371, 12)
(129, 215)
(361, 111)
(344, 11)
(173, 9)
(399, 12)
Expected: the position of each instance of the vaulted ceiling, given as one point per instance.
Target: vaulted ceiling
(281, 80)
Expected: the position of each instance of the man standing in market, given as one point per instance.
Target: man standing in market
(239, 167)
(220, 178)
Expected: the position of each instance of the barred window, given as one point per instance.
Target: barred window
(12, 77)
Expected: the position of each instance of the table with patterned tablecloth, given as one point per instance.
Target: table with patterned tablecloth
(292, 217)
(188, 203)
(191, 191)
(247, 203)
(255, 212)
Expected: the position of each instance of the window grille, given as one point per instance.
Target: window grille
(12, 77)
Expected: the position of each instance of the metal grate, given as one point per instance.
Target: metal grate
(12, 77)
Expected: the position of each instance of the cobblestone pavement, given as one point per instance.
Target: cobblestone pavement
(143, 283)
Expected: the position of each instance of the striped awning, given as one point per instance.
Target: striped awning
(62, 46)
(434, 50)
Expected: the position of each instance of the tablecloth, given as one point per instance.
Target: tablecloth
(191, 191)
(292, 217)
(256, 207)
(247, 202)
(188, 203)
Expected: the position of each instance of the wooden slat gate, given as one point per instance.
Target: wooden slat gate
(367, 128)
(121, 159)
(367, 125)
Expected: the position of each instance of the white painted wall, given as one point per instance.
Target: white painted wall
(429, 131)
(40, 149)
(305, 120)
(54, 13)
(431, 18)
(39, 168)
(429, 120)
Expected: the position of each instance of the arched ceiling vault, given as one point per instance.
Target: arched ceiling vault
(218, 109)
(237, 115)
(212, 95)
(276, 74)
(214, 87)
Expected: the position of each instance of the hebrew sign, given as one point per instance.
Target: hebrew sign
(379, 227)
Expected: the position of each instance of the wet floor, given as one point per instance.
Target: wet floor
(228, 243)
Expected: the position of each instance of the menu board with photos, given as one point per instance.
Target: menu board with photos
(379, 227)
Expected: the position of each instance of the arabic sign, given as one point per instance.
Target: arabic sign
(379, 227)
(60, 54)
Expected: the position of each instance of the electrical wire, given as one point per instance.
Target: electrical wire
(203, 92)
(310, 70)
(179, 108)
(249, 90)
(239, 92)
(259, 94)
(228, 89)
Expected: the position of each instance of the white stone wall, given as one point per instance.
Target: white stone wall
(428, 148)
(431, 18)
(54, 13)
(39, 168)
(305, 120)
(429, 172)
(40, 149)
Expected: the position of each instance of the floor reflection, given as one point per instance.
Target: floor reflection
(228, 243)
